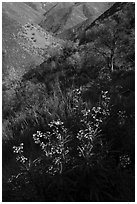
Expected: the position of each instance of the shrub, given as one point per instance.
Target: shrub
(71, 165)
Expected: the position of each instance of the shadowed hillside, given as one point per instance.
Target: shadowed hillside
(75, 32)
(62, 16)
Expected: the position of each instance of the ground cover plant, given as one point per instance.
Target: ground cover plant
(72, 146)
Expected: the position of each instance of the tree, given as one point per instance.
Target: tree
(113, 38)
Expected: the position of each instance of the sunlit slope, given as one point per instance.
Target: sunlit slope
(13, 54)
(21, 12)
(24, 42)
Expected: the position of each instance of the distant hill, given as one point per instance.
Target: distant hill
(62, 16)
(76, 31)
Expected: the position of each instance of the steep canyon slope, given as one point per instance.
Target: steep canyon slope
(26, 26)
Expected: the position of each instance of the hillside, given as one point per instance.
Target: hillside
(26, 25)
(21, 12)
(62, 16)
(77, 31)
(68, 102)
(24, 41)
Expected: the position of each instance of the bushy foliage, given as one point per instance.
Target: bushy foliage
(113, 38)
(68, 159)
(68, 146)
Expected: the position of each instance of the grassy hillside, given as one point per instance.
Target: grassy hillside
(21, 12)
(36, 6)
(13, 54)
(24, 42)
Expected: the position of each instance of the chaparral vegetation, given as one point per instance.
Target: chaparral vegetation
(69, 123)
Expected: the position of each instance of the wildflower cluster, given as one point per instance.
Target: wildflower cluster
(21, 179)
(56, 141)
(125, 161)
(19, 152)
(91, 131)
(54, 144)
(122, 117)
